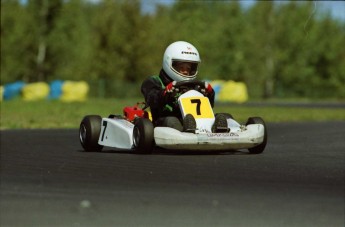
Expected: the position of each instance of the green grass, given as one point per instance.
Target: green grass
(17, 114)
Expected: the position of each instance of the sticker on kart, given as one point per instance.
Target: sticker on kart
(199, 107)
(218, 135)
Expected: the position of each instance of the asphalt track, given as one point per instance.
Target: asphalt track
(47, 180)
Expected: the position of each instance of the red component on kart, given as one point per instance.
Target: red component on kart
(132, 112)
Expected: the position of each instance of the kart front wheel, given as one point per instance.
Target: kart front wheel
(89, 131)
(261, 147)
(143, 135)
(227, 115)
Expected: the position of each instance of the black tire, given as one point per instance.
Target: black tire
(143, 136)
(261, 147)
(227, 115)
(89, 131)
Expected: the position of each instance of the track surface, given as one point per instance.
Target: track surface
(46, 180)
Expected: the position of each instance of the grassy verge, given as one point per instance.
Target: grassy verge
(18, 114)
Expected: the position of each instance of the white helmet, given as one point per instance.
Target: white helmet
(178, 52)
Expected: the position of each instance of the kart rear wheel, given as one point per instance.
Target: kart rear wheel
(143, 135)
(89, 131)
(261, 147)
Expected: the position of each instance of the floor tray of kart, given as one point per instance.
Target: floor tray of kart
(134, 130)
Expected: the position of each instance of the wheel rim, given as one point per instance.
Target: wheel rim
(82, 133)
(136, 137)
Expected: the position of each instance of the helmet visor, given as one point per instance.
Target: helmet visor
(185, 68)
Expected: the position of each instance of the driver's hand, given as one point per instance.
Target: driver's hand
(170, 88)
(208, 88)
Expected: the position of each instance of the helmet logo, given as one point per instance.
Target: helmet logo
(189, 52)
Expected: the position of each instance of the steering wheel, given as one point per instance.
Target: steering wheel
(184, 86)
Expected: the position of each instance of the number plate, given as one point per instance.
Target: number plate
(199, 107)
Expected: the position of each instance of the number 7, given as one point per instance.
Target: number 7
(105, 123)
(198, 104)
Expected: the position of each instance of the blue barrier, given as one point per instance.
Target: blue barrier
(55, 89)
(13, 89)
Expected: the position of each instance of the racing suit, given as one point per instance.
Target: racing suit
(153, 90)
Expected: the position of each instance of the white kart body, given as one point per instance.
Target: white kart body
(238, 138)
(119, 132)
(116, 133)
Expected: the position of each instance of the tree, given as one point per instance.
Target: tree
(16, 42)
(70, 42)
(261, 57)
(45, 14)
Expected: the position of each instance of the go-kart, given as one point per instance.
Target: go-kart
(134, 130)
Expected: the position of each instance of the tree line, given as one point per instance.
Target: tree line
(279, 50)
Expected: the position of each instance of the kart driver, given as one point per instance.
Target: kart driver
(180, 63)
